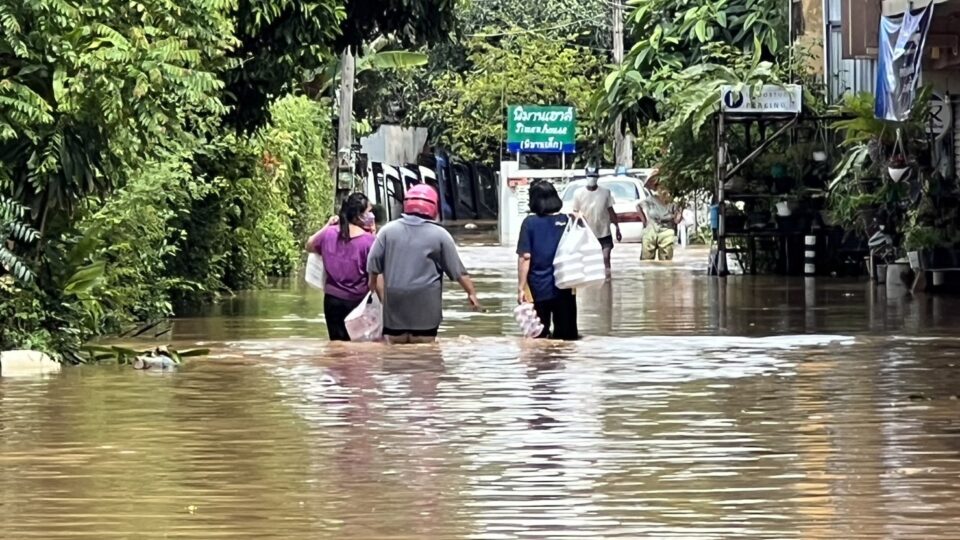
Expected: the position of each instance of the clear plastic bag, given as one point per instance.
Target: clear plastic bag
(365, 322)
(316, 276)
(579, 259)
(529, 321)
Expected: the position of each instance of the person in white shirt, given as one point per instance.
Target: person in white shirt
(595, 205)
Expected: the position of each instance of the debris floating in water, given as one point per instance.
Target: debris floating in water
(159, 359)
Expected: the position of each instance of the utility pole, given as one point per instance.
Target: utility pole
(345, 132)
(623, 143)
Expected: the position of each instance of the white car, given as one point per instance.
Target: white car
(627, 192)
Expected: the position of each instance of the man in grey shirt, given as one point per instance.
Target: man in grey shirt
(412, 254)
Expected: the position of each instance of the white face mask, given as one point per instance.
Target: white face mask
(592, 182)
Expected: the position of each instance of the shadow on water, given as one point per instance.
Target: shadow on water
(696, 408)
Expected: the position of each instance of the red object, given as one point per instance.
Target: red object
(423, 200)
(629, 217)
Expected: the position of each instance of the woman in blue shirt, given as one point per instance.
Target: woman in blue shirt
(539, 237)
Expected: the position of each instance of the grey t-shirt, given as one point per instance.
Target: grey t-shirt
(413, 254)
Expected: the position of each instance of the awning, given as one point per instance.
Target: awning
(896, 7)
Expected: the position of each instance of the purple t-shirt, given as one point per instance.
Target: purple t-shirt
(345, 263)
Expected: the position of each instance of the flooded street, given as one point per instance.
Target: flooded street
(697, 408)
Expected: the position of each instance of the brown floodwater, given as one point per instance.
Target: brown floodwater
(696, 408)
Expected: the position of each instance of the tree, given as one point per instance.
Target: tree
(467, 113)
(669, 84)
(285, 44)
(671, 36)
(582, 22)
(90, 89)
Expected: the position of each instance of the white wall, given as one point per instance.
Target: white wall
(394, 145)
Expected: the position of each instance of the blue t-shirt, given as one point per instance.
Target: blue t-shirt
(540, 236)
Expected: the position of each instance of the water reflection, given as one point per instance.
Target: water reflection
(695, 408)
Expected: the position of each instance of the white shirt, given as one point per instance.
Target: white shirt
(595, 205)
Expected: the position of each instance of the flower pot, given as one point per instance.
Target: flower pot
(881, 274)
(897, 173)
(914, 257)
(899, 277)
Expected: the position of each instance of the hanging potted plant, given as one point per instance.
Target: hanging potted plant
(898, 167)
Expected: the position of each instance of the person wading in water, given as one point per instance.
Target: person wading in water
(412, 254)
(595, 204)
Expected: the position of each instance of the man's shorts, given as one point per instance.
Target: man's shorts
(415, 333)
(606, 242)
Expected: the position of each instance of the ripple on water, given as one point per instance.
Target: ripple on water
(692, 410)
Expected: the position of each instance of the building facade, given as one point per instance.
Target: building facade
(851, 46)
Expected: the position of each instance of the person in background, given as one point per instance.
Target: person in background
(540, 235)
(344, 248)
(406, 267)
(686, 222)
(660, 218)
(595, 204)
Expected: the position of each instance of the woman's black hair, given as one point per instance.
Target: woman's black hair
(352, 208)
(544, 199)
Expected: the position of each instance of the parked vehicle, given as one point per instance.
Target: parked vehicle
(468, 191)
(628, 193)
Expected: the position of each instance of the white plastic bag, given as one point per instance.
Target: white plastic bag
(529, 321)
(316, 275)
(579, 259)
(365, 322)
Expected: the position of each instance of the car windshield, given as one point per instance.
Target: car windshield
(621, 190)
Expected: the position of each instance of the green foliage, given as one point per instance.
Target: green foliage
(468, 110)
(868, 140)
(138, 240)
(668, 87)
(282, 44)
(90, 88)
(286, 43)
(125, 187)
(673, 37)
(255, 199)
(581, 22)
(297, 141)
(14, 231)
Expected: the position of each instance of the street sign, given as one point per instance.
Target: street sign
(534, 129)
(770, 99)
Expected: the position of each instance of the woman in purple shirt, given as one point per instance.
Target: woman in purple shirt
(344, 248)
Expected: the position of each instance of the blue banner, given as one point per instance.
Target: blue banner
(902, 40)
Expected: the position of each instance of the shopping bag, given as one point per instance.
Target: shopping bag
(365, 322)
(579, 259)
(316, 276)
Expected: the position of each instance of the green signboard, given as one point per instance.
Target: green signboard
(541, 130)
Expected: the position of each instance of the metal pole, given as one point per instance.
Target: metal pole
(790, 41)
(622, 143)
(722, 269)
